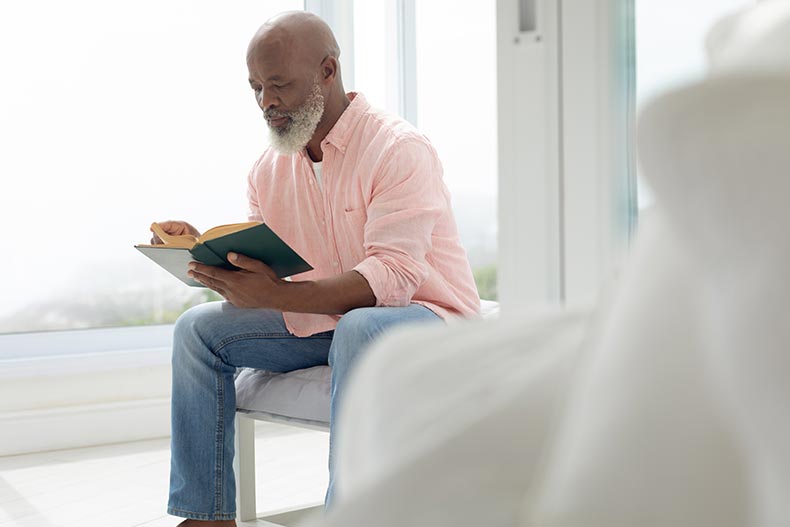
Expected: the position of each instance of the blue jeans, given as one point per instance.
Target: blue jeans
(212, 340)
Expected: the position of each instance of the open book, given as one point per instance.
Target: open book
(252, 239)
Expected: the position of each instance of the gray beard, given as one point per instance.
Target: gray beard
(294, 136)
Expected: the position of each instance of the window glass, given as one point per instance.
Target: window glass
(670, 40)
(114, 115)
(457, 110)
(374, 51)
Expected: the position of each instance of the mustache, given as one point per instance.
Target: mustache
(271, 113)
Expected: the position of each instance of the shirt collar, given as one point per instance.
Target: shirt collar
(340, 134)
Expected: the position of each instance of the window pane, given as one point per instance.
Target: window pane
(670, 39)
(374, 53)
(457, 110)
(114, 115)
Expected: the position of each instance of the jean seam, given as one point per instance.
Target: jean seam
(200, 515)
(245, 336)
(220, 437)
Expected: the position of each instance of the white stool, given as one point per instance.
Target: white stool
(298, 398)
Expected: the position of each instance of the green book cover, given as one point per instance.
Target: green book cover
(258, 242)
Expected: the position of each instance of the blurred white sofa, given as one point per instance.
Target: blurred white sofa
(667, 405)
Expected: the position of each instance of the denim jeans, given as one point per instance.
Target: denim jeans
(210, 342)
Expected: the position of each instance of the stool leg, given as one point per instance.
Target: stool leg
(244, 468)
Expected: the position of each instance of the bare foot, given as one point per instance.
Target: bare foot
(201, 523)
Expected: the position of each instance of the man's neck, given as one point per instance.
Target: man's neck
(332, 113)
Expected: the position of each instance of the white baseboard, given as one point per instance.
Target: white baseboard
(84, 425)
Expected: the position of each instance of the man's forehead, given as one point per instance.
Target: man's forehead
(269, 67)
(272, 57)
(271, 45)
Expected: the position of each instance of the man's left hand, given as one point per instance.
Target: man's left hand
(254, 285)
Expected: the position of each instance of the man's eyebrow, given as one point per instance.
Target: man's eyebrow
(271, 79)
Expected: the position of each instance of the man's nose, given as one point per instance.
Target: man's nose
(266, 100)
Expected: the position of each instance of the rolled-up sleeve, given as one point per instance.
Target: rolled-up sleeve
(407, 200)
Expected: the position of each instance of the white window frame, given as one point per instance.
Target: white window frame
(406, 22)
(401, 56)
(566, 176)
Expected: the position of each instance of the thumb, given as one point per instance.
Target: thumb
(245, 262)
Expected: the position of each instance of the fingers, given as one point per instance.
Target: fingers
(202, 273)
(243, 262)
(177, 228)
(173, 227)
(213, 283)
(162, 226)
(250, 264)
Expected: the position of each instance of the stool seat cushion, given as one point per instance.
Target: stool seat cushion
(299, 395)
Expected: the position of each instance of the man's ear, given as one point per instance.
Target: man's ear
(329, 69)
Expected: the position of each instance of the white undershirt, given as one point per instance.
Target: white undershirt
(317, 170)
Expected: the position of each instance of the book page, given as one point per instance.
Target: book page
(222, 230)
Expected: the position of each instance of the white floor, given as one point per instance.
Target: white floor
(125, 485)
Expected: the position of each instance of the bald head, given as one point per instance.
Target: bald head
(298, 35)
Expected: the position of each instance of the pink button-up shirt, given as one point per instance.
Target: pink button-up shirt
(384, 212)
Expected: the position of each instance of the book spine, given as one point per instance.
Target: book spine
(203, 254)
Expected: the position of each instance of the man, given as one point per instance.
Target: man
(358, 193)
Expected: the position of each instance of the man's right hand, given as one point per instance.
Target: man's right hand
(175, 228)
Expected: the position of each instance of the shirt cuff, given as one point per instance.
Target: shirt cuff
(383, 283)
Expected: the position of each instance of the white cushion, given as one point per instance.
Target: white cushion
(754, 40)
(301, 396)
(443, 419)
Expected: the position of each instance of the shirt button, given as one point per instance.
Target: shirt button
(334, 264)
